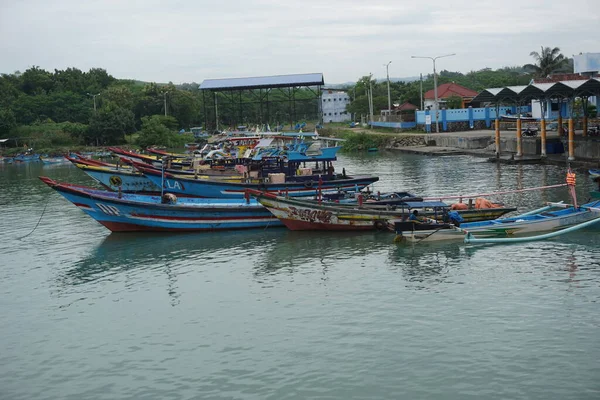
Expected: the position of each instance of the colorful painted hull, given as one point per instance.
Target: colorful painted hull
(54, 160)
(230, 190)
(124, 179)
(301, 215)
(134, 212)
(520, 225)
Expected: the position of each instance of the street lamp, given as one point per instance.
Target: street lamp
(388, 82)
(165, 101)
(94, 97)
(435, 94)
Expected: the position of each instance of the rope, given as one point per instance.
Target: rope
(40, 220)
(494, 193)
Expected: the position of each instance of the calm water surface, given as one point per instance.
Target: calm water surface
(274, 314)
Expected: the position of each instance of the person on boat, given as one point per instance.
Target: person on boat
(414, 216)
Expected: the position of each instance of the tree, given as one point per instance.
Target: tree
(154, 132)
(547, 62)
(110, 124)
(7, 121)
(454, 102)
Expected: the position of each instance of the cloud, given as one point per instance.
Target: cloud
(184, 41)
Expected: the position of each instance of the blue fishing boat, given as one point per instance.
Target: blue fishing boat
(126, 212)
(125, 179)
(552, 217)
(294, 186)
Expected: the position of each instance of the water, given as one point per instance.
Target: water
(274, 314)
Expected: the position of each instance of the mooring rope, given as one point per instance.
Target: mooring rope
(39, 220)
(468, 196)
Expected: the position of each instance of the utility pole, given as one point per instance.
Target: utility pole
(370, 98)
(435, 93)
(165, 101)
(94, 98)
(421, 91)
(388, 84)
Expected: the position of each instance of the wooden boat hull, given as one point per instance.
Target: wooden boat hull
(134, 212)
(221, 189)
(542, 222)
(125, 180)
(307, 215)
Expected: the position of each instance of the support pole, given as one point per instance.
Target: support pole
(519, 138)
(497, 136)
(571, 139)
(585, 125)
(543, 126)
(560, 122)
(543, 107)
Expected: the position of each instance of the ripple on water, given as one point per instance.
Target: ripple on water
(276, 314)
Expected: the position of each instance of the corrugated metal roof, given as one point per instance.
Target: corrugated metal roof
(264, 82)
(559, 89)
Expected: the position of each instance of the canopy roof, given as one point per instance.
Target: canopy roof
(263, 82)
(562, 89)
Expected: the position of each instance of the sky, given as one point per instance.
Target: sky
(189, 41)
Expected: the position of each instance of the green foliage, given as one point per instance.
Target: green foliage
(7, 121)
(548, 61)
(156, 132)
(110, 125)
(361, 141)
(49, 134)
(454, 102)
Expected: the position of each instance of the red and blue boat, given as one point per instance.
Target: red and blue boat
(126, 212)
(293, 186)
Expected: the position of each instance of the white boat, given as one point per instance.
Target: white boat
(554, 216)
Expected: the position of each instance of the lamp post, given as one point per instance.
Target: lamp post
(387, 72)
(370, 99)
(94, 97)
(165, 101)
(435, 94)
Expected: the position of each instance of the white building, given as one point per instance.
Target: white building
(587, 64)
(334, 104)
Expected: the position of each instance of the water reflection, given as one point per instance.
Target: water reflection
(428, 263)
(125, 252)
(294, 250)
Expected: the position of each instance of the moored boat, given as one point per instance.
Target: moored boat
(552, 217)
(308, 185)
(302, 214)
(125, 212)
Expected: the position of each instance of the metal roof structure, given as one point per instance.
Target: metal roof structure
(561, 89)
(263, 82)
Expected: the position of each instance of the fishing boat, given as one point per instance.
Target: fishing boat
(53, 160)
(293, 185)
(154, 159)
(514, 118)
(125, 212)
(303, 214)
(117, 178)
(479, 210)
(552, 217)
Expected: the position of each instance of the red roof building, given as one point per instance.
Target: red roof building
(448, 90)
(406, 106)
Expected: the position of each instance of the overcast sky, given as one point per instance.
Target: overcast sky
(186, 40)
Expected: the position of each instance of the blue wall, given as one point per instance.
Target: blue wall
(399, 125)
(462, 114)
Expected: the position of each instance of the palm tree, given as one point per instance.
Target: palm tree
(547, 62)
